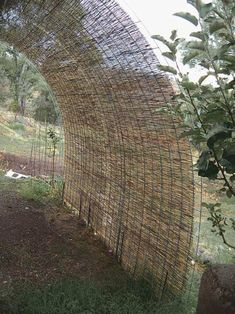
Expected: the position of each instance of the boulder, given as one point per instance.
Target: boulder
(217, 290)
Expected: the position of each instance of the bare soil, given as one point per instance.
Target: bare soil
(41, 243)
(29, 166)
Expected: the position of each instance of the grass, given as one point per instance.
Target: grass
(71, 296)
(17, 126)
(7, 183)
(112, 293)
(16, 145)
(34, 189)
(115, 296)
(41, 191)
(212, 250)
(17, 137)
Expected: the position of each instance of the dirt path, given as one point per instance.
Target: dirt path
(42, 243)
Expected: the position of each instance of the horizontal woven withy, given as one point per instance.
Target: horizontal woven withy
(126, 171)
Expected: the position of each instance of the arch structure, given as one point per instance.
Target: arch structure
(126, 171)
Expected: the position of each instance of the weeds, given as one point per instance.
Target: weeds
(41, 191)
(79, 296)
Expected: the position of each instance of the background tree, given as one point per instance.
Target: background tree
(23, 90)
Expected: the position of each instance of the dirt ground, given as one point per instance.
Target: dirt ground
(40, 243)
(29, 166)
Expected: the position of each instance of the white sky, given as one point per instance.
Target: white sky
(156, 17)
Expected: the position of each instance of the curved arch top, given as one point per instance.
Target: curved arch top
(126, 171)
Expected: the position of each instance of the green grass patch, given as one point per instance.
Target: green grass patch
(212, 250)
(80, 296)
(41, 191)
(34, 189)
(17, 126)
(7, 183)
(16, 145)
(17, 137)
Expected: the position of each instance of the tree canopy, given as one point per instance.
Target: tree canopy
(23, 89)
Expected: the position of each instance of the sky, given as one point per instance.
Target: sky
(156, 17)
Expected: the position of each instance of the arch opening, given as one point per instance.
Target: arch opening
(30, 121)
(126, 171)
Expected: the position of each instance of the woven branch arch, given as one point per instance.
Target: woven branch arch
(126, 171)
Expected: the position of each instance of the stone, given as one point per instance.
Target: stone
(217, 290)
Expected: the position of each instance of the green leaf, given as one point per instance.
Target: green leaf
(218, 151)
(229, 158)
(230, 84)
(187, 16)
(228, 58)
(188, 84)
(205, 205)
(202, 78)
(229, 194)
(232, 178)
(227, 2)
(194, 3)
(199, 45)
(170, 45)
(173, 34)
(191, 55)
(160, 38)
(188, 133)
(205, 9)
(205, 64)
(218, 134)
(198, 35)
(216, 25)
(223, 190)
(214, 115)
(169, 55)
(203, 161)
(224, 71)
(211, 171)
(166, 68)
(219, 14)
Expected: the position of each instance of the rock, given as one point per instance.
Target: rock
(207, 259)
(217, 290)
(201, 251)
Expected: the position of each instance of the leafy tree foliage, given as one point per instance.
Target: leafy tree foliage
(23, 90)
(207, 107)
(43, 108)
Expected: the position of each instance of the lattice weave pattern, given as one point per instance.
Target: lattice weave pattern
(126, 171)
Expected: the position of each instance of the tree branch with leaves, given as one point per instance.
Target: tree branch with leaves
(207, 107)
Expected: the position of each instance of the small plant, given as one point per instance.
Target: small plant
(36, 190)
(219, 221)
(54, 139)
(14, 107)
(40, 191)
